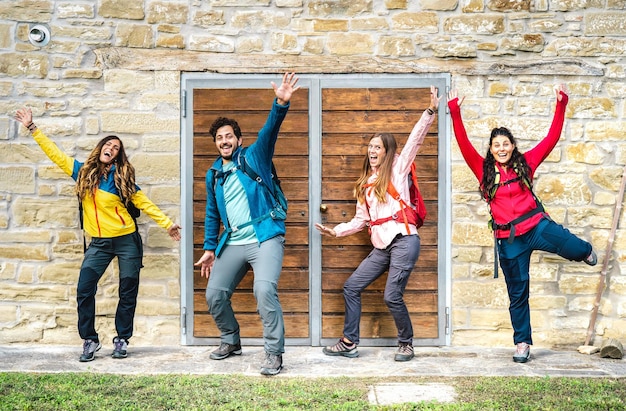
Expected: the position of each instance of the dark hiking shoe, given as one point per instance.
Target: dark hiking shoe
(272, 364)
(89, 350)
(226, 350)
(120, 345)
(342, 348)
(522, 353)
(592, 259)
(405, 352)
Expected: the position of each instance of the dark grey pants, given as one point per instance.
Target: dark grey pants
(129, 252)
(399, 258)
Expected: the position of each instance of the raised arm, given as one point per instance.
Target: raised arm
(418, 133)
(539, 153)
(473, 159)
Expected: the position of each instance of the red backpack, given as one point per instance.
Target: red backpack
(413, 213)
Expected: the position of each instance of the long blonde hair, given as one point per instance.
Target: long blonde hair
(384, 170)
(91, 171)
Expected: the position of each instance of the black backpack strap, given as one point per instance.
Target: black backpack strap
(80, 217)
(242, 163)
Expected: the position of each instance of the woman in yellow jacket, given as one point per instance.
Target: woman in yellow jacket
(105, 185)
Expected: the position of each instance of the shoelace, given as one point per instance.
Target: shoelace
(87, 346)
(405, 349)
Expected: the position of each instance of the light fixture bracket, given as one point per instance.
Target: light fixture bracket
(39, 35)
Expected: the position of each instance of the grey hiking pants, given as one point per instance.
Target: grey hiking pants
(266, 260)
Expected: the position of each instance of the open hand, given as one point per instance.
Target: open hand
(558, 89)
(453, 93)
(325, 230)
(174, 232)
(434, 98)
(206, 263)
(286, 89)
(24, 116)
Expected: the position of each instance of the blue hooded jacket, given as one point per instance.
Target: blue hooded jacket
(259, 156)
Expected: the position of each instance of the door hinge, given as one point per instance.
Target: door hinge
(183, 104)
(184, 321)
(447, 320)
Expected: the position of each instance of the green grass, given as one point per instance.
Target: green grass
(86, 391)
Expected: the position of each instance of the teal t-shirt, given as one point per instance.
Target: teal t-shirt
(237, 208)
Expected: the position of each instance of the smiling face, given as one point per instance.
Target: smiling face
(501, 148)
(109, 151)
(376, 152)
(227, 142)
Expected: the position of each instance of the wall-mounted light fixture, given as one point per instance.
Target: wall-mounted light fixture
(39, 35)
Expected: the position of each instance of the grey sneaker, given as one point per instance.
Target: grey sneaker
(120, 345)
(89, 350)
(342, 348)
(405, 352)
(592, 259)
(522, 353)
(226, 350)
(272, 364)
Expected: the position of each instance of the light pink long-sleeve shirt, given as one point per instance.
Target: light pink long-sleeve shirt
(383, 234)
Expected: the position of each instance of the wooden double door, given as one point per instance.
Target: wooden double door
(319, 155)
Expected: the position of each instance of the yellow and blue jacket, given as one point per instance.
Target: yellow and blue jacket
(104, 214)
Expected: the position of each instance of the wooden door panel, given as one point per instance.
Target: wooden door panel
(372, 99)
(350, 117)
(243, 99)
(250, 107)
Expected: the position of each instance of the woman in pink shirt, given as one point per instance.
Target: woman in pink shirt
(520, 223)
(396, 244)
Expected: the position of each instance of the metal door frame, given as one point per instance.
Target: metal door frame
(315, 84)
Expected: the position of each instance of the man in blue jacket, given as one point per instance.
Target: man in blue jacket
(253, 233)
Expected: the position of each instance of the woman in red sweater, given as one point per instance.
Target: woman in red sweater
(520, 223)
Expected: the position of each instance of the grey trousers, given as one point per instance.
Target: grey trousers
(399, 258)
(266, 260)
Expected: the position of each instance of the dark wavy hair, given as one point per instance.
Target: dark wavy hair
(221, 122)
(384, 170)
(517, 162)
(89, 175)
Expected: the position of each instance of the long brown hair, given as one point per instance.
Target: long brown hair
(517, 162)
(91, 171)
(384, 170)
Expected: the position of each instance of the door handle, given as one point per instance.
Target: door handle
(323, 208)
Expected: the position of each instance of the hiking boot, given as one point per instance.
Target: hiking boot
(522, 353)
(592, 259)
(226, 350)
(89, 350)
(119, 348)
(342, 348)
(405, 352)
(272, 364)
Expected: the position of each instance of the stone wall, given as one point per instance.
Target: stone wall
(113, 66)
